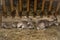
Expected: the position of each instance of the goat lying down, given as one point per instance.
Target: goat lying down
(9, 25)
(42, 24)
(25, 24)
(6, 25)
(30, 24)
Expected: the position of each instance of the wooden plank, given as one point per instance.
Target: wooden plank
(43, 5)
(4, 8)
(42, 10)
(17, 11)
(11, 4)
(50, 6)
(20, 5)
(57, 9)
(58, 6)
(28, 8)
(28, 5)
(4, 5)
(35, 5)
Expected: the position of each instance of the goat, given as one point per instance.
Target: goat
(41, 24)
(6, 25)
(25, 24)
(22, 24)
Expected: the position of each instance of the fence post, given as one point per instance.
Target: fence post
(35, 7)
(4, 8)
(57, 9)
(13, 11)
(20, 7)
(42, 11)
(50, 8)
(28, 8)
(17, 15)
(11, 4)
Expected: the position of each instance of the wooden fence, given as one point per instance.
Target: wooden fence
(18, 9)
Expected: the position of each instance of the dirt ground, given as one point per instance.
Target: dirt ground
(52, 33)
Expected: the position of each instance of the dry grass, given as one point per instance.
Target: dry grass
(52, 33)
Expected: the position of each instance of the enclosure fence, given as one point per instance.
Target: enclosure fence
(45, 7)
